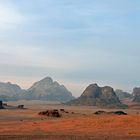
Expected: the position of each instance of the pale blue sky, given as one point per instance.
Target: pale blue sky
(76, 42)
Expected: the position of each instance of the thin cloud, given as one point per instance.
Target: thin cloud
(10, 17)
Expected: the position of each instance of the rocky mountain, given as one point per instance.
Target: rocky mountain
(47, 89)
(136, 95)
(9, 91)
(98, 96)
(122, 95)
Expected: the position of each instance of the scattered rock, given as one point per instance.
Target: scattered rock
(112, 112)
(119, 113)
(100, 112)
(5, 104)
(1, 105)
(62, 110)
(20, 106)
(50, 113)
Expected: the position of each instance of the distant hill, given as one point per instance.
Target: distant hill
(9, 91)
(122, 95)
(98, 96)
(136, 94)
(47, 89)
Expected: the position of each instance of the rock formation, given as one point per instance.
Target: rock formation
(50, 113)
(100, 112)
(98, 96)
(47, 89)
(1, 105)
(122, 95)
(9, 91)
(136, 95)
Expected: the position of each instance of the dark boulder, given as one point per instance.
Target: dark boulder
(1, 105)
(120, 113)
(50, 113)
(21, 106)
(100, 112)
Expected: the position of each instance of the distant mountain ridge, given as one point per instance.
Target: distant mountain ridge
(98, 96)
(122, 95)
(136, 94)
(9, 89)
(49, 90)
(45, 89)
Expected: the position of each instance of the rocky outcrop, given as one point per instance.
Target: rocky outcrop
(98, 96)
(1, 105)
(50, 113)
(47, 89)
(100, 112)
(136, 95)
(122, 95)
(9, 89)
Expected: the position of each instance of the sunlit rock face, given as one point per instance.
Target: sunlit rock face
(47, 89)
(98, 96)
(9, 91)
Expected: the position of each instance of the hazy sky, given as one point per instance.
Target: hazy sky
(76, 42)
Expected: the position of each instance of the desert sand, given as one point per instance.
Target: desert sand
(81, 124)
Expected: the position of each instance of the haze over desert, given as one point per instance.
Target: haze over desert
(69, 70)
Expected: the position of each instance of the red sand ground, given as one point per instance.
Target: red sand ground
(128, 125)
(82, 122)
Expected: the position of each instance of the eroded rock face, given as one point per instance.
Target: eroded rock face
(92, 91)
(98, 96)
(122, 95)
(9, 89)
(136, 94)
(47, 89)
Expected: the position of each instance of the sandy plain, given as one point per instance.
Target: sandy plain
(80, 123)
